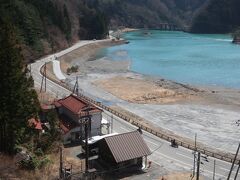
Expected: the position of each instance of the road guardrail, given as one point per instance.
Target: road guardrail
(228, 157)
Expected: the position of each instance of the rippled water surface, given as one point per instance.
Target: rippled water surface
(188, 58)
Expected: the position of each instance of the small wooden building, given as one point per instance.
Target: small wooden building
(123, 151)
(72, 112)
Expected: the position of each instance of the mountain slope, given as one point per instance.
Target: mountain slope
(46, 26)
(219, 16)
(148, 13)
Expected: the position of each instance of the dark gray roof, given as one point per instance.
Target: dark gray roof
(127, 146)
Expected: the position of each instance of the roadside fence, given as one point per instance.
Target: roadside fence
(228, 157)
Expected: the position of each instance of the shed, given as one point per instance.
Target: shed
(123, 150)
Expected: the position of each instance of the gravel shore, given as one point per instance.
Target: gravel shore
(211, 112)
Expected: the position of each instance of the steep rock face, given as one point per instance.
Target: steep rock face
(219, 16)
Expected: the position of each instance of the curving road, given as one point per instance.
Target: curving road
(172, 159)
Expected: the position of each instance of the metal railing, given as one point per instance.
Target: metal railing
(228, 157)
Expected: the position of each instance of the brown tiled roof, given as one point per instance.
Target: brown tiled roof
(127, 146)
(76, 105)
(57, 104)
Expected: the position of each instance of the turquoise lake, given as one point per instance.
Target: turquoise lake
(182, 57)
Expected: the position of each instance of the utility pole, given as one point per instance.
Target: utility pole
(61, 165)
(214, 169)
(86, 146)
(194, 158)
(81, 131)
(198, 165)
(230, 172)
(111, 123)
(44, 78)
(45, 74)
(235, 178)
(76, 87)
(87, 122)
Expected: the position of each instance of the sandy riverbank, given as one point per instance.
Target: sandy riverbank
(137, 88)
(183, 109)
(122, 83)
(87, 61)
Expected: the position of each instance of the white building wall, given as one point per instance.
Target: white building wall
(96, 124)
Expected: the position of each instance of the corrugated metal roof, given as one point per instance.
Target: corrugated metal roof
(127, 146)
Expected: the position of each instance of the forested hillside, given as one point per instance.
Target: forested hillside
(148, 13)
(219, 16)
(46, 26)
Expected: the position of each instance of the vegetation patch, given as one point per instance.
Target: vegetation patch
(72, 69)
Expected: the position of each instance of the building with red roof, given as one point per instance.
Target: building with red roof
(73, 111)
(35, 123)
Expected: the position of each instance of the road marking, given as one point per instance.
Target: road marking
(224, 169)
(50, 85)
(153, 143)
(183, 163)
(125, 129)
(184, 155)
(190, 166)
(234, 171)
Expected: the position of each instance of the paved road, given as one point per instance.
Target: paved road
(173, 159)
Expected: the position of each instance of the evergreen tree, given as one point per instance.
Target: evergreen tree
(219, 16)
(67, 28)
(18, 100)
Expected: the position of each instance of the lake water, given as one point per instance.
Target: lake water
(187, 58)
